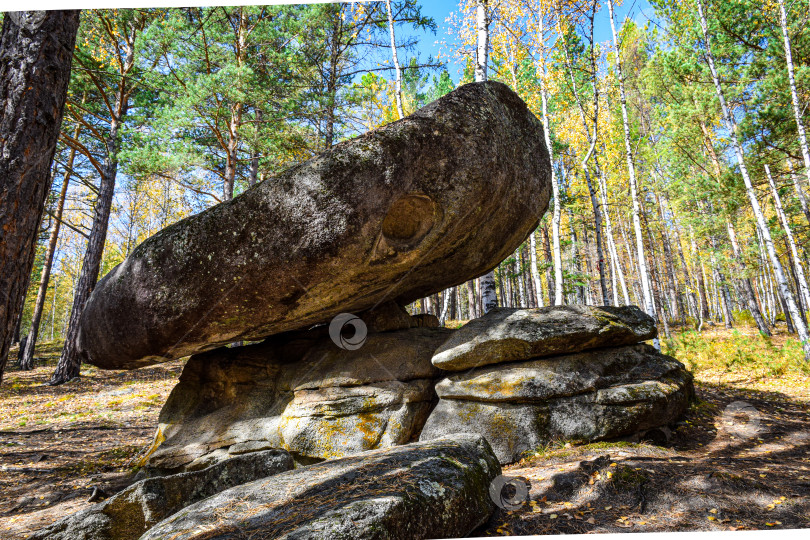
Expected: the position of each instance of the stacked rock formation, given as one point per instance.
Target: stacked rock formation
(378, 403)
(526, 377)
(303, 393)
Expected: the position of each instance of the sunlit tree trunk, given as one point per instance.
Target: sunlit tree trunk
(644, 277)
(731, 124)
(397, 70)
(35, 61)
(794, 97)
(800, 275)
(746, 287)
(27, 359)
(489, 296)
(538, 288)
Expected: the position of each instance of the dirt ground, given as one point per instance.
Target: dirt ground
(740, 459)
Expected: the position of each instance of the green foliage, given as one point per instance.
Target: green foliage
(736, 353)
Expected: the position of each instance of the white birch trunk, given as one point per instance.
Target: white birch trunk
(794, 95)
(731, 125)
(777, 201)
(397, 70)
(489, 297)
(538, 289)
(644, 277)
(555, 187)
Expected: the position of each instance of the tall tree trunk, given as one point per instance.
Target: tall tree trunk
(644, 277)
(27, 358)
(795, 99)
(678, 307)
(746, 288)
(35, 56)
(331, 79)
(611, 241)
(555, 294)
(489, 295)
(550, 279)
(731, 125)
(538, 288)
(804, 291)
(701, 278)
(397, 70)
(70, 362)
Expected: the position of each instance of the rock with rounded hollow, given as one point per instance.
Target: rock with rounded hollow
(508, 335)
(435, 489)
(396, 214)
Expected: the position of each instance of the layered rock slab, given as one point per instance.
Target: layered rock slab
(526, 402)
(132, 511)
(302, 393)
(435, 489)
(398, 213)
(509, 334)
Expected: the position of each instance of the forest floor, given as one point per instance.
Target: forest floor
(740, 459)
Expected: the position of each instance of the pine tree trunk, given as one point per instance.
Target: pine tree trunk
(35, 57)
(731, 124)
(27, 359)
(70, 362)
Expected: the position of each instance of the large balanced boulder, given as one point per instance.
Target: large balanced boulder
(129, 513)
(508, 334)
(398, 213)
(583, 397)
(437, 489)
(300, 392)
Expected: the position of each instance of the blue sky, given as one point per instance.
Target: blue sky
(639, 10)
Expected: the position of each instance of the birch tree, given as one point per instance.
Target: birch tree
(631, 171)
(397, 70)
(731, 125)
(489, 296)
(783, 23)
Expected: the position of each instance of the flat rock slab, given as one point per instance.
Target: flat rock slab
(437, 489)
(131, 512)
(397, 214)
(300, 392)
(568, 375)
(508, 335)
(589, 396)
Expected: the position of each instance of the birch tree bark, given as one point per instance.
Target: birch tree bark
(489, 296)
(780, 212)
(731, 125)
(644, 277)
(538, 289)
(35, 59)
(746, 288)
(555, 296)
(397, 70)
(793, 94)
